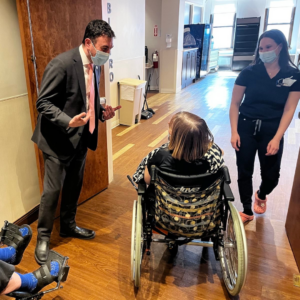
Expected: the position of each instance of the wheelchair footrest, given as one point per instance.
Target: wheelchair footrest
(20, 295)
(65, 273)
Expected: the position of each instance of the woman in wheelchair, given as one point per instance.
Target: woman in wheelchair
(16, 239)
(188, 198)
(191, 151)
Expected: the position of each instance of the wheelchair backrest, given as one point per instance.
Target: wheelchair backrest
(187, 206)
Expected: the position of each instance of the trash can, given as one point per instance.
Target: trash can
(131, 100)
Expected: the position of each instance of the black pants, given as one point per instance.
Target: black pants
(65, 175)
(255, 137)
(6, 271)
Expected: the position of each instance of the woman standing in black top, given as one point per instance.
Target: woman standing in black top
(271, 86)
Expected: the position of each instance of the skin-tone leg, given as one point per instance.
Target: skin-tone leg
(13, 285)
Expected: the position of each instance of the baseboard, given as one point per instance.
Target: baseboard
(115, 123)
(178, 89)
(154, 88)
(29, 217)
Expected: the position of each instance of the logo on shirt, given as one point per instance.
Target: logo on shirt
(285, 82)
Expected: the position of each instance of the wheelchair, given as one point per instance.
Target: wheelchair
(192, 210)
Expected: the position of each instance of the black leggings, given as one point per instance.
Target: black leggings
(255, 136)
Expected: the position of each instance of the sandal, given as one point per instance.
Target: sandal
(43, 273)
(11, 236)
(246, 218)
(260, 206)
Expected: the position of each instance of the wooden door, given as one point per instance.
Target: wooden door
(293, 217)
(56, 27)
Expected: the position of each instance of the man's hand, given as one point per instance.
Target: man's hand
(109, 111)
(79, 120)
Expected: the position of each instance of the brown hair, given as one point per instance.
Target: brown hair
(190, 138)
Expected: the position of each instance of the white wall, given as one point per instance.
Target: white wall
(127, 19)
(172, 22)
(153, 17)
(254, 8)
(19, 185)
(12, 74)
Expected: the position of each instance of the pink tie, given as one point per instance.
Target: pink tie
(92, 100)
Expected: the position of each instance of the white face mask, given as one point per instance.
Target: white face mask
(268, 57)
(100, 58)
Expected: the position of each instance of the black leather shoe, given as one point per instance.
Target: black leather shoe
(41, 251)
(79, 233)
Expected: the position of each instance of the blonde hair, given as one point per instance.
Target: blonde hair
(190, 138)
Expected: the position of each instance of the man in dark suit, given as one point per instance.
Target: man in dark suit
(69, 109)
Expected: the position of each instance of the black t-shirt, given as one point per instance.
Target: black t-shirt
(263, 98)
(211, 162)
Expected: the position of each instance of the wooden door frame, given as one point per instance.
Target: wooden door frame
(23, 21)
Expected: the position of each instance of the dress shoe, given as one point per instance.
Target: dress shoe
(41, 251)
(79, 233)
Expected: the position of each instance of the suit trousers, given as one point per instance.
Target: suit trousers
(255, 137)
(65, 177)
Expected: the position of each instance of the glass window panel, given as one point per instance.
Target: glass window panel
(224, 19)
(197, 15)
(224, 8)
(284, 28)
(187, 11)
(222, 37)
(280, 15)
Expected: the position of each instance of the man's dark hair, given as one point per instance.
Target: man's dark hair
(97, 28)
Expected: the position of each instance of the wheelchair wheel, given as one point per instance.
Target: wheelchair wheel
(137, 242)
(133, 238)
(233, 255)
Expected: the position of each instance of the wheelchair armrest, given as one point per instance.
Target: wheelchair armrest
(142, 188)
(226, 175)
(228, 192)
(153, 174)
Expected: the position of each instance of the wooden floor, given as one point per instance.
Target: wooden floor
(100, 268)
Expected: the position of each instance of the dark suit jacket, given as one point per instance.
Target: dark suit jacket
(63, 96)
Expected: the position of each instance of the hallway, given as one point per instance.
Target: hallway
(100, 268)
